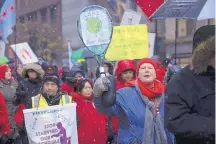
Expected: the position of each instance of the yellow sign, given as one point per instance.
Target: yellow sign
(128, 42)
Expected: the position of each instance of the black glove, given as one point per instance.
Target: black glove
(3, 139)
(109, 97)
(105, 87)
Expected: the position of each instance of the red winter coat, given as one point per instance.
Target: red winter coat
(66, 87)
(4, 121)
(91, 124)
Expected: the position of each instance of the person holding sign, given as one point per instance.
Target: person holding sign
(91, 124)
(139, 108)
(51, 94)
(50, 115)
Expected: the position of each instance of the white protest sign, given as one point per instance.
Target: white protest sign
(25, 53)
(151, 38)
(131, 18)
(52, 125)
(95, 26)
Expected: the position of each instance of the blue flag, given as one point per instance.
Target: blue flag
(7, 19)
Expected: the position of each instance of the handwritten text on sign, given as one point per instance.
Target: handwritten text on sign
(128, 42)
(52, 125)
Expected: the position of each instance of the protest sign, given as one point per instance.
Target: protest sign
(95, 26)
(131, 18)
(151, 37)
(128, 42)
(25, 53)
(52, 125)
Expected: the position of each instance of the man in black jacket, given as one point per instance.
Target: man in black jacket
(190, 101)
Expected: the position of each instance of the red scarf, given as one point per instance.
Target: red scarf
(78, 96)
(159, 88)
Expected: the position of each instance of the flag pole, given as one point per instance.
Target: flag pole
(15, 38)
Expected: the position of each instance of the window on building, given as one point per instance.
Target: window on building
(212, 21)
(191, 26)
(43, 15)
(160, 28)
(22, 3)
(184, 61)
(26, 2)
(21, 19)
(182, 27)
(30, 17)
(53, 14)
(34, 16)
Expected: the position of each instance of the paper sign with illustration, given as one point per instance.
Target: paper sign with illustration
(131, 18)
(128, 42)
(95, 28)
(52, 125)
(25, 53)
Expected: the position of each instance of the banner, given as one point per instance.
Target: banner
(25, 53)
(128, 42)
(52, 125)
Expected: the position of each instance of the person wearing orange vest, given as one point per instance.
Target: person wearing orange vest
(51, 94)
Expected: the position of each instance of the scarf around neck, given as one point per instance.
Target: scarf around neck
(78, 96)
(159, 88)
(154, 131)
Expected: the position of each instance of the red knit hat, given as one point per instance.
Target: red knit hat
(146, 60)
(3, 69)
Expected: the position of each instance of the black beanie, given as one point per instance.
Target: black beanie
(53, 78)
(202, 34)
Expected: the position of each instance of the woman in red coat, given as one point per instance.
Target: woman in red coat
(91, 124)
(4, 121)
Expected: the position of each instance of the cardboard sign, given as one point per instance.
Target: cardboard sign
(128, 42)
(25, 53)
(52, 125)
(95, 26)
(131, 18)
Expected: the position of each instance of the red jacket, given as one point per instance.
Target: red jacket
(4, 121)
(91, 124)
(67, 88)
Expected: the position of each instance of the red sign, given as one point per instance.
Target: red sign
(149, 6)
